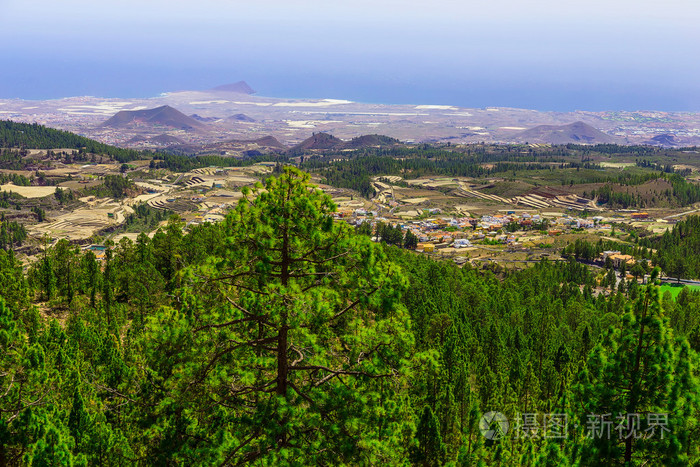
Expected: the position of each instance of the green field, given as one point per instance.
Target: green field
(675, 289)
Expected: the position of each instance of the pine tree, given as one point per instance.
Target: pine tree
(47, 276)
(430, 450)
(410, 240)
(79, 420)
(284, 341)
(639, 374)
(54, 447)
(90, 276)
(23, 387)
(13, 286)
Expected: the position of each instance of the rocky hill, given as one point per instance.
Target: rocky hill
(199, 118)
(164, 116)
(241, 87)
(325, 141)
(366, 141)
(239, 118)
(577, 132)
(319, 141)
(662, 140)
(265, 141)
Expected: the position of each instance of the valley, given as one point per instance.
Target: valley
(506, 205)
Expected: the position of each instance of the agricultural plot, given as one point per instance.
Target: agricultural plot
(477, 194)
(539, 198)
(208, 177)
(29, 191)
(218, 197)
(77, 185)
(434, 183)
(571, 202)
(179, 205)
(616, 165)
(84, 222)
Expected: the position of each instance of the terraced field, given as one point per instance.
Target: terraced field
(194, 181)
(179, 205)
(538, 199)
(84, 222)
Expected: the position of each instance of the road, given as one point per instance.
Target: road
(682, 214)
(682, 281)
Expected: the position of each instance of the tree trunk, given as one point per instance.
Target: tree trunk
(282, 344)
(282, 363)
(632, 407)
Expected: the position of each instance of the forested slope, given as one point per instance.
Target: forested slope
(15, 135)
(34, 136)
(280, 337)
(677, 249)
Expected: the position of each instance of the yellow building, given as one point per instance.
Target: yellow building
(617, 260)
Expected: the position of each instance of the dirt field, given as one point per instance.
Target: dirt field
(29, 191)
(617, 165)
(223, 197)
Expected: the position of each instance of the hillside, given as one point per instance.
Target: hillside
(379, 335)
(371, 141)
(136, 140)
(319, 141)
(662, 140)
(267, 141)
(18, 135)
(326, 141)
(165, 140)
(199, 118)
(164, 115)
(239, 118)
(577, 132)
(241, 87)
(161, 140)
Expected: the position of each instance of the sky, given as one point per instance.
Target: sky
(544, 55)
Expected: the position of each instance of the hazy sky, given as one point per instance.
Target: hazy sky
(548, 55)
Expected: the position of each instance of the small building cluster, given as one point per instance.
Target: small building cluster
(459, 232)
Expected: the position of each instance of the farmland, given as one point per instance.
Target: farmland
(485, 195)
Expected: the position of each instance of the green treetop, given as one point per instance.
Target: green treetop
(290, 341)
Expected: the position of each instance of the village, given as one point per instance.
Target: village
(513, 231)
(508, 232)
